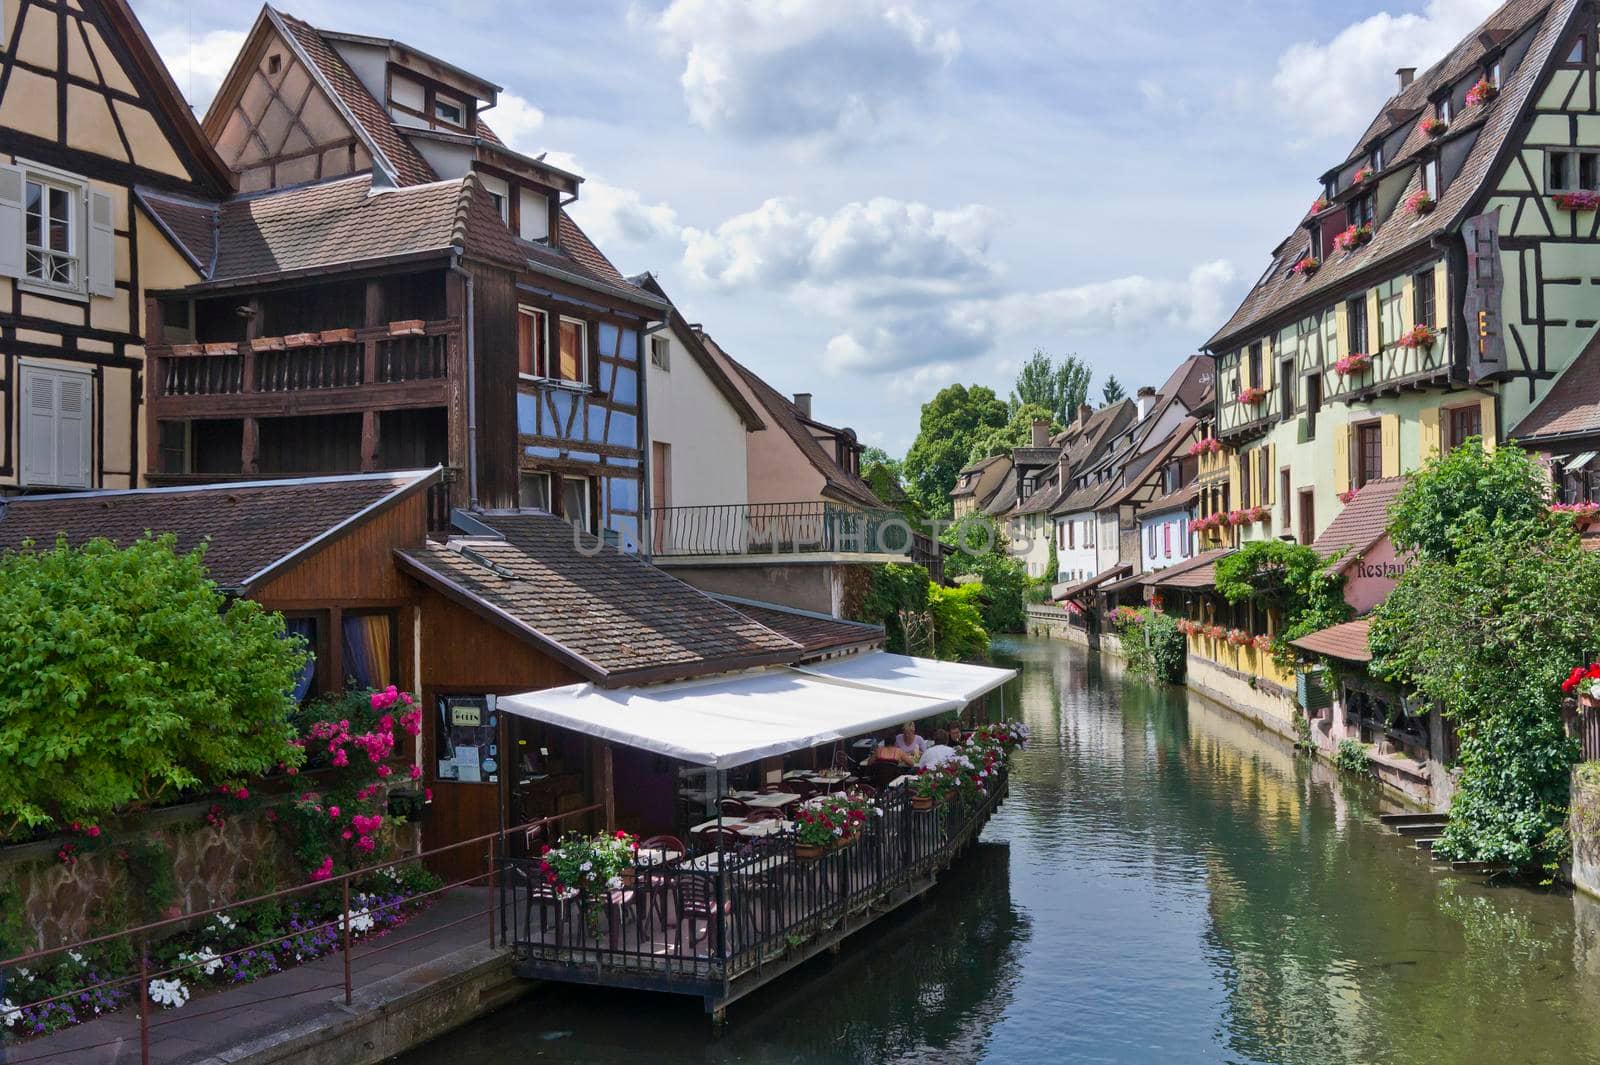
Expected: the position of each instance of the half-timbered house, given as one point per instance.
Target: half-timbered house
(88, 117)
(1440, 287)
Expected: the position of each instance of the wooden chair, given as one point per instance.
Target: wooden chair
(734, 808)
(865, 790)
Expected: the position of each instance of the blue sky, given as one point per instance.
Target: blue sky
(871, 199)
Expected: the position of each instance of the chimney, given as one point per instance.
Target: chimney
(1406, 75)
(803, 401)
(1041, 433)
(1084, 410)
(1146, 399)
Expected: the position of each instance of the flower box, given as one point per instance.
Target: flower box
(1262, 643)
(1420, 203)
(1481, 93)
(267, 344)
(1353, 364)
(1238, 637)
(411, 327)
(1422, 336)
(339, 336)
(1259, 513)
(1307, 266)
(302, 340)
(1251, 396)
(1209, 446)
(809, 852)
(1345, 497)
(1352, 237)
(922, 803)
(182, 350)
(227, 347)
(1321, 205)
(1434, 127)
(1362, 176)
(1583, 200)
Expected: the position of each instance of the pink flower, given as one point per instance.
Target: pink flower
(386, 722)
(364, 844)
(416, 772)
(242, 793)
(333, 811)
(347, 834)
(384, 770)
(427, 794)
(341, 758)
(377, 701)
(94, 831)
(294, 771)
(323, 871)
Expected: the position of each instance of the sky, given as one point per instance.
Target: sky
(871, 199)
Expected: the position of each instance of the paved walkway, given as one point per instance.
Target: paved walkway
(212, 1023)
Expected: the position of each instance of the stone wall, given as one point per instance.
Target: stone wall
(1584, 825)
(244, 857)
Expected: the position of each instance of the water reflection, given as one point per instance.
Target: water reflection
(1167, 883)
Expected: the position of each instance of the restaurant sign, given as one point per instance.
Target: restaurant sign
(1372, 575)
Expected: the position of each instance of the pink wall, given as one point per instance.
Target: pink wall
(1370, 578)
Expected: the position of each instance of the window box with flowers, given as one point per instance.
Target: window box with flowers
(1306, 266)
(1482, 92)
(1364, 175)
(1421, 336)
(1258, 513)
(1434, 127)
(1238, 638)
(1584, 682)
(1262, 643)
(1251, 395)
(1347, 496)
(1321, 204)
(1352, 237)
(1353, 364)
(1420, 203)
(1209, 446)
(1583, 514)
(1582, 200)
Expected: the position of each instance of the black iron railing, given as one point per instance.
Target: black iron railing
(695, 924)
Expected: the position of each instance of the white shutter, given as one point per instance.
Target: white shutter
(102, 246)
(38, 426)
(73, 430)
(12, 188)
(57, 428)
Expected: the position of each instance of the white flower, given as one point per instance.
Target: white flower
(585, 867)
(614, 883)
(9, 1014)
(76, 957)
(169, 993)
(360, 921)
(203, 959)
(838, 832)
(23, 974)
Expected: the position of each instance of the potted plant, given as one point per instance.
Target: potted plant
(593, 866)
(826, 822)
(1582, 200)
(1421, 336)
(1584, 682)
(1352, 364)
(1482, 92)
(1434, 127)
(1362, 176)
(1352, 237)
(1251, 395)
(1306, 266)
(1420, 203)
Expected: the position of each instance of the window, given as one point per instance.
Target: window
(1313, 404)
(1578, 53)
(1286, 381)
(1369, 453)
(1264, 475)
(274, 63)
(1391, 321)
(1442, 108)
(56, 233)
(1072, 534)
(1464, 423)
(1572, 171)
(1183, 537)
(1246, 461)
(575, 502)
(1166, 539)
(1308, 521)
(533, 491)
(1422, 298)
(1589, 171)
(448, 110)
(1430, 178)
(57, 427)
(1494, 74)
(573, 362)
(533, 215)
(1285, 498)
(50, 232)
(1253, 367)
(661, 353)
(371, 648)
(1355, 324)
(533, 340)
(499, 191)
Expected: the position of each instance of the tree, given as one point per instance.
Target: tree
(128, 678)
(1496, 608)
(1059, 388)
(951, 421)
(1016, 432)
(1290, 580)
(1113, 390)
(883, 476)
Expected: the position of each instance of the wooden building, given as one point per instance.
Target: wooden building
(88, 115)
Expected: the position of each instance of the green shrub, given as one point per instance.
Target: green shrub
(129, 678)
(1351, 757)
(1152, 644)
(958, 632)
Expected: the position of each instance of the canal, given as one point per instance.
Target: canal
(1165, 884)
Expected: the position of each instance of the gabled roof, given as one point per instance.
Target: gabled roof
(251, 530)
(1279, 291)
(1140, 468)
(1572, 406)
(610, 616)
(838, 482)
(1347, 641)
(1179, 500)
(1196, 572)
(817, 633)
(1363, 520)
(1062, 591)
(1005, 494)
(980, 478)
(702, 358)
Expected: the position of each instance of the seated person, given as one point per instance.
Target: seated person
(907, 748)
(955, 735)
(938, 753)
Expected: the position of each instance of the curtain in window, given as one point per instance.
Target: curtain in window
(368, 639)
(306, 629)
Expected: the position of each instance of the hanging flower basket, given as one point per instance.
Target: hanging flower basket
(1306, 267)
(1251, 396)
(1420, 203)
(1577, 201)
(1352, 237)
(1353, 364)
(1482, 93)
(1421, 336)
(1434, 127)
(1362, 176)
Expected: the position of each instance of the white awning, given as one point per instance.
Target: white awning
(727, 721)
(882, 671)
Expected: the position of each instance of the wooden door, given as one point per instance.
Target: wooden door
(660, 492)
(1308, 519)
(462, 809)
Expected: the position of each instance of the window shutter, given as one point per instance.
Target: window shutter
(1341, 459)
(73, 445)
(57, 428)
(1487, 422)
(39, 427)
(11, 199)
(1428, 423)
(102, 246)
(594, 356)
(1389, 430)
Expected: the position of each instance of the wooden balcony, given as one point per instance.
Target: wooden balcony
(1393, 370)
(384, 367)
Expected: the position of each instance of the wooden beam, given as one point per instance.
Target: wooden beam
(250, 442)
(608, 787)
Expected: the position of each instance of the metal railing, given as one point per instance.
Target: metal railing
(494, 847)
(778, 529)
(694, 924)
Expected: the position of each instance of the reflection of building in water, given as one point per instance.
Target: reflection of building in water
(1261, 768)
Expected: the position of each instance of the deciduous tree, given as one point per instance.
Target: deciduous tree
(951, 422)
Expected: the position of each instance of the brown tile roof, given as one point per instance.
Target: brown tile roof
(1197, 572)
(1005, 495)
(1347, 641)
(409, 167)
(814, 632)
(1279, 290)
(1183, 497)
(191, 225)
(1068, 591)
(1362, 521)
(249, 528)
(1572, 406)
(610, 616)
(1142, 467)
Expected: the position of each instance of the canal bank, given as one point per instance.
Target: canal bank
(1166, 882)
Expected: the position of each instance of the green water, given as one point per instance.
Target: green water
(1165, 884)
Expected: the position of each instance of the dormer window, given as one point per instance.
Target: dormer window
(448, 110)
(1361, 210)
(1376, 159)
(1430, 178)
(533, 215)
(1494, 74)
(1443, 109)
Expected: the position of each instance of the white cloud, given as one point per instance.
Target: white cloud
(198, 64)
(801, 69)
(516, 121)
(1199, 301)
(613, 214)
(1342, 82)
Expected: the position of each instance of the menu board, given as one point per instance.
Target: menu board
(468, 746)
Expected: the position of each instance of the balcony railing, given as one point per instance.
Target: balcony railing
(333, 358)
(777, 529)
(1394, 366)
